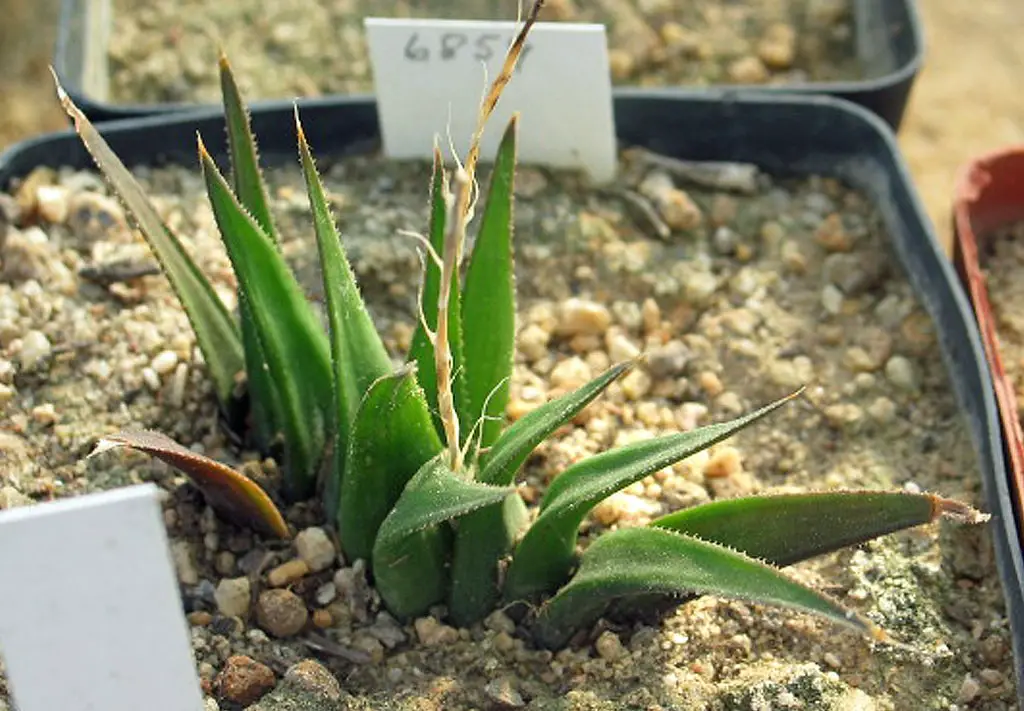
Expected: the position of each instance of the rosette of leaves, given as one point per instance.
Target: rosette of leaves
(421, 482)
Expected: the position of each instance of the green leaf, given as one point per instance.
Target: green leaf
(391, 438)
(264, 401)
(488, 303)
(645, 561)
(229, 492)
(410, 572)
(486, 536)
(358, 355)
(216, 332)
(421, 349)
(288, 331)
(482, 539)
(516, 443)
(788, 528)
(544, 558)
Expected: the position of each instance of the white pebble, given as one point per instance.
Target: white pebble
(582, 317)
(164, 362)
(52, 203)
(35, 347)
(832, 299)
(315, 548)
(233, 597)
(151, 379)
(900, 372)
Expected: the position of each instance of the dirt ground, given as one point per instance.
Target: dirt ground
(967, 100)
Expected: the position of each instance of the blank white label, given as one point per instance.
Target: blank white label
(429, 75)
(90, 616)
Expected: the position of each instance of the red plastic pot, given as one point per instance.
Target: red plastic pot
(989, 193)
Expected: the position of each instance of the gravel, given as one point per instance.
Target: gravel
(754, 330)
(166, 51)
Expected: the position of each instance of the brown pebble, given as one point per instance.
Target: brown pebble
(288, 572)
(322, 618)
(282, 613)
(723, 462)
(243, 680)
(832, 235)
(199, 618)
(711, 383)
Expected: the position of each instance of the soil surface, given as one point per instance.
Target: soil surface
(165, 51)
(737, 298)
(965, 41)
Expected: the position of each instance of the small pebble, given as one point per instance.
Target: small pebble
(570, 373)
(748, 70)
(45, 414)
(326, 593)
(243, 680)
(315, 548)
(724, 461)
(184, 563)
(322, 618)
(35, 347)
(969, 690)
(233, 597)
(151, 379)
(532, 342)
(609, 646)
(832, 299)
(711, 383)
(432, 633)
(882, 410)
(282, 613)
(287, 573)
(900, 372)
(311, 676)
(635, 384)
(502, 692)
(991, 677)
(582, 317)
(651, 315)
(164, 362)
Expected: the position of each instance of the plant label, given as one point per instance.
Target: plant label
(430, 76)
(90, 616)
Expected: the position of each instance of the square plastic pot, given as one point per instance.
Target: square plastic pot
(889, 43)
(785, 135)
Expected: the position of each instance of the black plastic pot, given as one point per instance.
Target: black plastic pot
(784, 135)
(889, 44)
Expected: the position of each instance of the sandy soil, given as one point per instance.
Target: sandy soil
(967, 100)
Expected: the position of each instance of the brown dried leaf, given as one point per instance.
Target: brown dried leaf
(229, 492)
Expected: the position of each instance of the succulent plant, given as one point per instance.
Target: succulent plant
(421, 479)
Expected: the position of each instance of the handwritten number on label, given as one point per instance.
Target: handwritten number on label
(414, 51)
(451, 42)
(483, 48)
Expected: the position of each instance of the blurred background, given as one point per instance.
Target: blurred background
(968, 99)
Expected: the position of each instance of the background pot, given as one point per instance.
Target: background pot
(785, 135)
(988, 194)
(889, 44)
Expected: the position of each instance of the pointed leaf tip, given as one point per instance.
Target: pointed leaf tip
(957, 511)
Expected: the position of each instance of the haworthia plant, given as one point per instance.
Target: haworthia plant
(422, 480)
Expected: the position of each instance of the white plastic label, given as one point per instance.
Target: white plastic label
(90, 616)
(429, 75)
